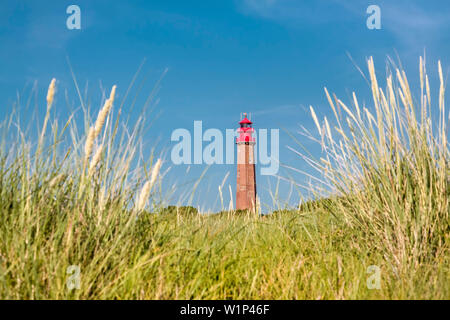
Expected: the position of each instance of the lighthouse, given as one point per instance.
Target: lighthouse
(246, 180)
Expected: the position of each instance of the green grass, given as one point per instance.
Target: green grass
(284, 256)
(386, 204)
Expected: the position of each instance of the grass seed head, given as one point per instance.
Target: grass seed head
(95, 160)
(89, 144)
(145, 192)
(104, 112)
(51, 93)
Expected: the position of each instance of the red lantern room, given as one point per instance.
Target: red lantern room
(245, 131)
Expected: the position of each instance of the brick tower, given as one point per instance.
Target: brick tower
(246, 180)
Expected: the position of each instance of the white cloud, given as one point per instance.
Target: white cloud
(408, 21)
(292, 11)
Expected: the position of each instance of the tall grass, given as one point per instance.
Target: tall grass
(62, 207)
(389, 171)
(89, 200)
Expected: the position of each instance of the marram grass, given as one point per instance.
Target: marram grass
(79, 204)
(391, 170)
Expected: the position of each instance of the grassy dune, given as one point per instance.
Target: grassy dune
(384, 178)
(286, 256)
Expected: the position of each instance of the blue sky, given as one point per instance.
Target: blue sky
(271, 58)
